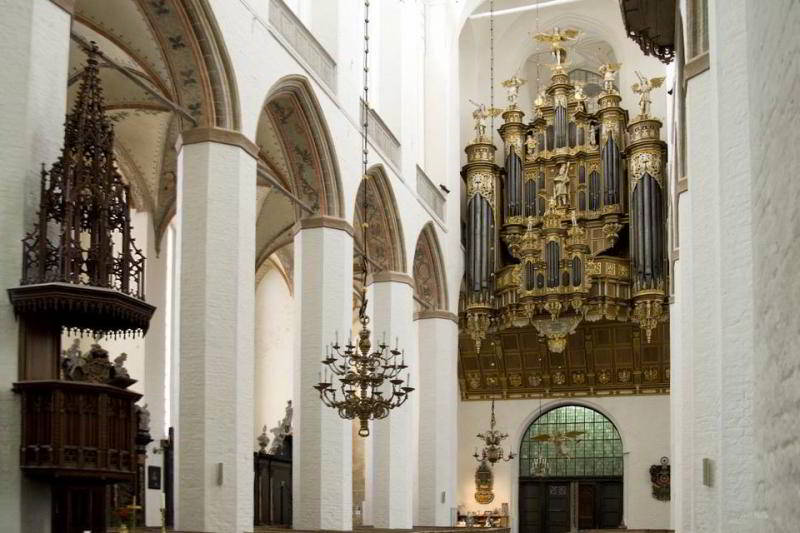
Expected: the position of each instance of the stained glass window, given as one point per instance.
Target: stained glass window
(576, 441)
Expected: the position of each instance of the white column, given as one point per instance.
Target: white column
(322, 462)
(155, 373)
(392, 313)
(216, 207)
(34, 38)
(438, 414)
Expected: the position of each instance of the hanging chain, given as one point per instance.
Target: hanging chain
(491, 68)
(538, 65)
(364, 159)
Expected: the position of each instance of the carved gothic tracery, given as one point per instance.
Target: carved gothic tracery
(83, 232)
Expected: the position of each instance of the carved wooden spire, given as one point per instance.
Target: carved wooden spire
(83, 232)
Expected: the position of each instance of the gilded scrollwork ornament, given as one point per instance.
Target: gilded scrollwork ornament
(483, 184)
(645, 162)
(648, 313)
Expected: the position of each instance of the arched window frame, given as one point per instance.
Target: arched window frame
(596, 453)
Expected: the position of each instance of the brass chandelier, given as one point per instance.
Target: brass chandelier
(364, 375)
(492, 451)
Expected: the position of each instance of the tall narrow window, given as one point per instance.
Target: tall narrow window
(698, 27)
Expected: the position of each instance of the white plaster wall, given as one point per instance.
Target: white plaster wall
(34, 38)
(714, 370)
(643, 423)
(274, 368)
(772, 66)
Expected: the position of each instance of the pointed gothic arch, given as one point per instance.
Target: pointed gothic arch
(293, 118)
(386, 249)
(296, 152)
(176, 48)
(430, 283)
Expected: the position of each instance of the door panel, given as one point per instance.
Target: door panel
(610, 504)
(558, 514)
(78, 508)
(530, 507)
(586, 506)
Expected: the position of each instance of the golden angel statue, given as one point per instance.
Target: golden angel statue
(643, 89)
(512, 86)
(579, 95)
(479, 115)
(557, 39)
(609, 72)
(560, 440)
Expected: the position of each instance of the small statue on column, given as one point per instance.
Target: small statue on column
(561, 190)
(530, 145)
(609, 72)
(643, 89)
(479, 115)
(512, 85)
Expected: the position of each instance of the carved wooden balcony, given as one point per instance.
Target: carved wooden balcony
(77, 429)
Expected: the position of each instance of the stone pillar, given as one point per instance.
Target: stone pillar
(322, 443)
(392, 312)
(216, 207)
(438, 414)
(155, 373)
(34, 38)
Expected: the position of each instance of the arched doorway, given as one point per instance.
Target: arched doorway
(570, 472)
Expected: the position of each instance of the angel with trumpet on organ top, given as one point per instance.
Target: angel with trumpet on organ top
(643, 89)
(557, 38)
(479, 115)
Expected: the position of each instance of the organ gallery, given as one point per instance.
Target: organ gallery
(566, 266)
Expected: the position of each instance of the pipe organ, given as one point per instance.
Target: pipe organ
(565, 236)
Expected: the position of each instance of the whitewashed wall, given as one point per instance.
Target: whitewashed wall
(273, 351)
(643, 423)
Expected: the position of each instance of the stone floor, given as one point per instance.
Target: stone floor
(417, 529)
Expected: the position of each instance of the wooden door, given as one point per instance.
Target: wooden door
(78, 508)
(610, 504)
(531, 505)
(586, 506)
(557, 515)
(281, 490)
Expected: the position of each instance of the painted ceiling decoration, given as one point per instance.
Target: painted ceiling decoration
(294, 150)
(387, 252)
(429, 281)
(172, 47)
(296, 146)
